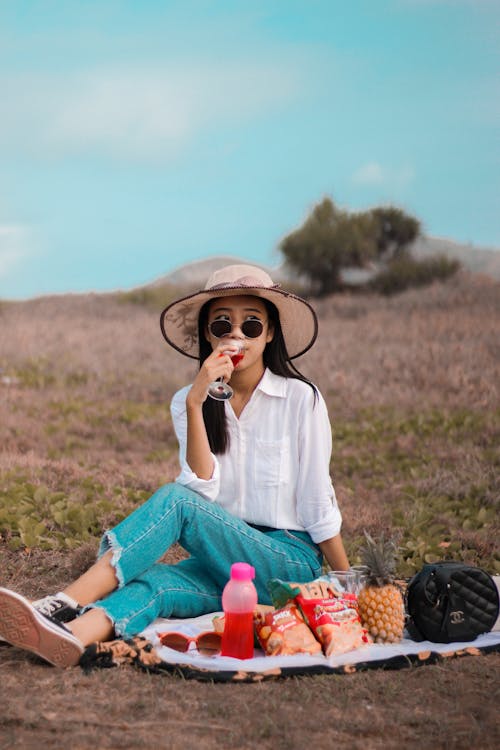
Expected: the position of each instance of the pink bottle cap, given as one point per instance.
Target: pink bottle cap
(242, 572)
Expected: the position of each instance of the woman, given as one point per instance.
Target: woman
(254, 483)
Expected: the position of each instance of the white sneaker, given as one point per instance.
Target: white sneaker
(59, 606)
(23, 626)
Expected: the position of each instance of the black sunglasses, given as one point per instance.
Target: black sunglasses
(251, 328)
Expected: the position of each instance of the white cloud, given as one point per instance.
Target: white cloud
(369, 174)
(136, 113)
(13, 248)
(374, 174)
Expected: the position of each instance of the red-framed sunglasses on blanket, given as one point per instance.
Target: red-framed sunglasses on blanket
(207, 643)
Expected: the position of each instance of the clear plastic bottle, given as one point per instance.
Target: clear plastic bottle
(238, 602)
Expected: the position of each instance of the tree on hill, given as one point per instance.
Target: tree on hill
(331, 239)
(395, 231)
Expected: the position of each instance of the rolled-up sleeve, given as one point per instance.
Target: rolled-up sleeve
(317, 507)
(208, 488)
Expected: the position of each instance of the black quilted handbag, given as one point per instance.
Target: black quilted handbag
(450, 601)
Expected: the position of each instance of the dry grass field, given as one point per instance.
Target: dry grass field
(412, 385)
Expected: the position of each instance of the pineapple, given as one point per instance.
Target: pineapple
(381, 606)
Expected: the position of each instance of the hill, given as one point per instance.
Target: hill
(196, 273)
(411, 385)
(484, 261)
(475, 259)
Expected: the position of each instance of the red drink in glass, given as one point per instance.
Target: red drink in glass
(219, 389)
(236, 358)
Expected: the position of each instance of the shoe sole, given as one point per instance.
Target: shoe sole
(22, 626)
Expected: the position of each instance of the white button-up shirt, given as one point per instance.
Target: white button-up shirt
(276, 469)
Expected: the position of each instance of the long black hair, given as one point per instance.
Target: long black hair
(275, 358)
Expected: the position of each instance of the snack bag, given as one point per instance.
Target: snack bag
(282, 591)
(218, 623)
(335, 623)
(331, 615)
(284, 632)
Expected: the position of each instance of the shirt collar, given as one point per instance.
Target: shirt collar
(272, 385)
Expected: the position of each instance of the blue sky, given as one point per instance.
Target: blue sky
(137, 136)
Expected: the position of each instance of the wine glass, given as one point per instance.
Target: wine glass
(219, 390)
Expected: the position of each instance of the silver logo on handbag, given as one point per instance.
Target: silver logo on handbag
(457, 617)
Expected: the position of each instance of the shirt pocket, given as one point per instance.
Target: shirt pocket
(272, 463)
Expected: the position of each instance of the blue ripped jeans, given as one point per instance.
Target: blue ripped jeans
(214, 539)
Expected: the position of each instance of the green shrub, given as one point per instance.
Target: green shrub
(153, 298)
(36, 373)
(404, 272)
(36, 516)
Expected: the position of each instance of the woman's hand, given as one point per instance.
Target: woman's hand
(217, 365)
(198, 453)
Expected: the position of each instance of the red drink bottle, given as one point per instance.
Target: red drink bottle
(238, 601)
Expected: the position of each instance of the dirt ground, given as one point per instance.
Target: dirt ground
(412, 388)
(447, 705)
(439, 706)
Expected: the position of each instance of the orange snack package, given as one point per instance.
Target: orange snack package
(331, 615)
(335, 622)
(284, 632)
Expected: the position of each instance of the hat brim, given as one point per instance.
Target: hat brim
(299, 324)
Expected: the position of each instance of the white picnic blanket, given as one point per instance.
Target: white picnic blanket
(261, 663)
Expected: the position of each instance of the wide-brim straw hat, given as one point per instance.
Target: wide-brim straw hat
(179, 320)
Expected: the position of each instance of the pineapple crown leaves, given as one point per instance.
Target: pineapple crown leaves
(379, 556)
